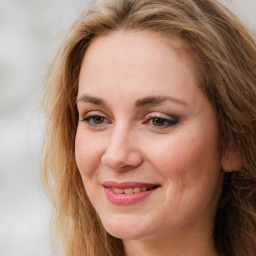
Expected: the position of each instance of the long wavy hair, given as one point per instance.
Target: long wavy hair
(225, 57)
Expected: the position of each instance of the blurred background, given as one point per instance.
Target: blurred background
(30, 32)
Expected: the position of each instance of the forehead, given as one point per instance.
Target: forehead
(121, 42)
(133, 56)
(124, 67)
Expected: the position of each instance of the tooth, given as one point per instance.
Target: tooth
(143, 189)
(128, 190)
(136, 190)
(118, 190)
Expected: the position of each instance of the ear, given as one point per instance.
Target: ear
(231, 161)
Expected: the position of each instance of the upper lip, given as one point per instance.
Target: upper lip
(129, 184)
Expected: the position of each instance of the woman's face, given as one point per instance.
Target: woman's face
(147, 143)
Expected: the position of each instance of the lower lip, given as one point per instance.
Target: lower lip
(126, 199)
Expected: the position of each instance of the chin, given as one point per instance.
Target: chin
(125, 234)
(126, 230)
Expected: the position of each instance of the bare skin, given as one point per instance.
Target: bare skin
(143, 119)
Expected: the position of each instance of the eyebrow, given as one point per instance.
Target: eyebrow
(147, 101)
(157, 100)
(87, 98)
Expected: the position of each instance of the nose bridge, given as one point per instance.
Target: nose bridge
(120, 135)
(121, 151)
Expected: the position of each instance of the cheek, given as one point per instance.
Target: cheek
(87, 153)
(191, 170)
(187, 159)
(88, 158)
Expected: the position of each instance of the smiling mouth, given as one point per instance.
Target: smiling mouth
(132, 190)
(127, 193)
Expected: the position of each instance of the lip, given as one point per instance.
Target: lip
(129, 184)
(127, 199)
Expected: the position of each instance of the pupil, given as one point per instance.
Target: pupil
(98, 119)
(158, 121)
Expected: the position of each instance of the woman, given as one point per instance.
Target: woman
(150, 141)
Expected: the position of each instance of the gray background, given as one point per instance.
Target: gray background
(30, 31)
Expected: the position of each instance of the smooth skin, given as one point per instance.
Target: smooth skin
(128, 131)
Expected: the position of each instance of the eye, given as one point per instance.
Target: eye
(160, 120)
(94, 119)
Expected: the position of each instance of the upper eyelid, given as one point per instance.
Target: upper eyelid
(147, 116)
(160, 115)
(94, 113)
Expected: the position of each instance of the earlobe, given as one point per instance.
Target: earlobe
(231, 161)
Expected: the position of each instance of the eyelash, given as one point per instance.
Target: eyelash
(89, 119)
(168, 121)
(149, 118)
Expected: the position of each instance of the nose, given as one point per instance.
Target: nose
(122, 151)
